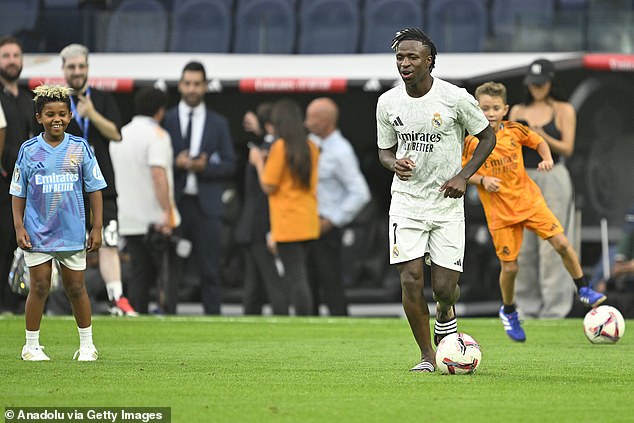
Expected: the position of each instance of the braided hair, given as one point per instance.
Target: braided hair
(417, 35)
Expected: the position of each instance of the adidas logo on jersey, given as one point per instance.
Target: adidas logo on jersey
(397, 121)
(458, 262)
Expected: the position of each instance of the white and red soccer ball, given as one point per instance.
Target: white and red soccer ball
(458, 354)
(604, 325)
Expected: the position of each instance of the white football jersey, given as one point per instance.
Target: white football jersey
(430, 130)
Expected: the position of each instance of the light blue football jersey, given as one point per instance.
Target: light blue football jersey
(52, 180)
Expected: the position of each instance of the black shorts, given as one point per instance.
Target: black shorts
(110, 211)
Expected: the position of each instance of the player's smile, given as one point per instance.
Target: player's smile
(55, 129)
(55, 118)
(407, 74)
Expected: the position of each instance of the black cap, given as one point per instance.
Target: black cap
(540, 72)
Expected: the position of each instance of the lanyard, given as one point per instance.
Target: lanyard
(83, 123)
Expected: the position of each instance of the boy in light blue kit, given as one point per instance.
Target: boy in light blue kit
(50, 173)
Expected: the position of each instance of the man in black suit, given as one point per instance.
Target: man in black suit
(204, 160)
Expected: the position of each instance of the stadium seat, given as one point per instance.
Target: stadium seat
(18, 15)
(291, 3)
(457, 25)
(522, 25)
(571, 22)
(566, 5)
(382, 18)
(201, 26)
(264, 26)
(329, 26)
(610, 26)
(58, 36)
(137, 26)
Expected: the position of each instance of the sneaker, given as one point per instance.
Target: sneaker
(512, 326)
(122, 307)
(34, 354)
(590, 297)
(88, 353)
(423, 367)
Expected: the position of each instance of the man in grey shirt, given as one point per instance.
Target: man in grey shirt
(342, 192)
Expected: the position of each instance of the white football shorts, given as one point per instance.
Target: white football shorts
(74, 260)
(411, 239)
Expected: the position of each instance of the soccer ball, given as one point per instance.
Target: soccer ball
(604, 325)
(458, 354)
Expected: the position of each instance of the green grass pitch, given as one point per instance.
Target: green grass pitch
(247, 369)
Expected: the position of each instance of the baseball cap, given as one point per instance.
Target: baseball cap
(539, 72)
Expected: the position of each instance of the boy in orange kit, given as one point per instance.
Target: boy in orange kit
(512, 202)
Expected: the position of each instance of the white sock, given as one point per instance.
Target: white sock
(32, 338)
(85, 336)
(114, 289)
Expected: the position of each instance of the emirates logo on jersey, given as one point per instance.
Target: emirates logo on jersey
(436, 121)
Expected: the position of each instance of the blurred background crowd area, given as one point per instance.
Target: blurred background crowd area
(318, 26)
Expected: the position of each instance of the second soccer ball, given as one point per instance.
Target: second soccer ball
(604, 325)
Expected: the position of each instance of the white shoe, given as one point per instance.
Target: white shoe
(88, 353)
(34, 354)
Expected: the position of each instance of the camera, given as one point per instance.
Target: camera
(159, 242)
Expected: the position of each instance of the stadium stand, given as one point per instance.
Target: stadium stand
(571, 23)
(318, 26)
(264, 26)
(201, 26)
(573, 5)
(329, 27)
(610, 25)
(137, 26)
(382, 18)
(56, 36)
(521, 25)
(457, 25)
(18, 15)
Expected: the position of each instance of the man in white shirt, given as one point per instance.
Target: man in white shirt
(421, 126)
(342, 192)
(143, 163)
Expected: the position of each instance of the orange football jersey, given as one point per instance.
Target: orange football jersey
(518, 194)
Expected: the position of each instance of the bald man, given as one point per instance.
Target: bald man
(341, 193)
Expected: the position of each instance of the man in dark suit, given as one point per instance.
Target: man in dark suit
(204, 160)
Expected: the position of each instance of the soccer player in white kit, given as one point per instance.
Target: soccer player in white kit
(421, 127)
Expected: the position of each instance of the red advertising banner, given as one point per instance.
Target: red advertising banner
(121, 85)
(609, 62)
(263, 85)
